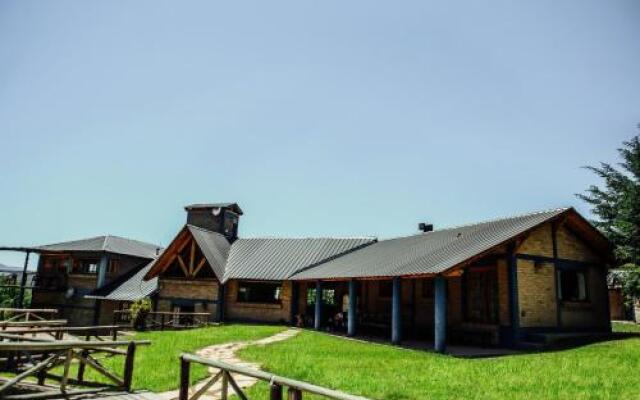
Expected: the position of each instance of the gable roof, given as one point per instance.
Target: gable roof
(278, 258)
(109, 243)
(214, 247)
(129, 287)
(428, 253)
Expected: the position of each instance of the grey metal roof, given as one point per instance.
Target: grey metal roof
(232, 206)
(278, 258)
(427, 253)
(129, 287)
(214, 246)
(111, 244)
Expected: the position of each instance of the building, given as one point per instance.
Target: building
(500, 282)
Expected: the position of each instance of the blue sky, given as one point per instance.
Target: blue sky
(318, 118)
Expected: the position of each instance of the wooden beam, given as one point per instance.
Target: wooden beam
(192, 257)
(199, 266)
(183, 266)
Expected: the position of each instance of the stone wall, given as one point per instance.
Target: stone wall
(201, 293)
(537, 294)
(278, 313)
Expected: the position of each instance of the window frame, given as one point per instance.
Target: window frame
(241, 298)
(585, 281)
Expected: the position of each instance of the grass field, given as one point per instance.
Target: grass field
(157, 367)
(598, 371)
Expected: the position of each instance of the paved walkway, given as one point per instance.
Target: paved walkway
(226, 352)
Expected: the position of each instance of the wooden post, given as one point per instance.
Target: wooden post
(162, 322)
(440, 313)
(514, 311)
(184, 379)
(224, 390)
(114, 334)
(23, 282)
(275, 392)
(351, 316)
(220, 304)
(81, 366)
(396, 311)
(128, 366)
(295, 301)
(294, 394)
(317, 323)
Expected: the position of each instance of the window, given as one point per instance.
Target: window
(114, 265)
(328, 296)
(86, 267)
(385, 289)
(259, 292)
(572, 286)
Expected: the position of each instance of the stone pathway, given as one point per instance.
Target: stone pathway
(226, 352)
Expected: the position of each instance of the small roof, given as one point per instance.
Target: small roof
(428, 253)
(109, 243)
(278, 258)
(129, 287)
(214, 246)
(232, 206)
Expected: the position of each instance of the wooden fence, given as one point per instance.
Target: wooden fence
(38, 357)
(26, 314)
(295, 388)
(58, 332)
(161, 320)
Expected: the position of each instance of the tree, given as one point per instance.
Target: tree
(617, 204)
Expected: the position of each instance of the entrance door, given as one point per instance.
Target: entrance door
(481, 286)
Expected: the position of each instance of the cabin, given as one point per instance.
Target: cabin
(69, 274)
(506, 282)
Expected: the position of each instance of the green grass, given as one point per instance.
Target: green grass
(598, 371)
(157, 366)
(628, 327)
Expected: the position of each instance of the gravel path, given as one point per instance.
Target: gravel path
(227, 353)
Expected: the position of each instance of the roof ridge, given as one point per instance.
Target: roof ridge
(309, 237)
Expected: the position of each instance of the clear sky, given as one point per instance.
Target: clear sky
(318, 117)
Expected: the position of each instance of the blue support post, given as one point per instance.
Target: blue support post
(396, 316)
(440, 334)
(352, 317)
(514, 309)
(317, 323)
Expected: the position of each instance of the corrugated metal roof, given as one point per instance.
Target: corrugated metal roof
(277, 259)
(214, 246)
(426, 253)
(232, 206)
(109, 243)
(129, 287)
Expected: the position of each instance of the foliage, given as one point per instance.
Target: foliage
(617, 204)
(599, 371)
(157, 366)
(138, 311)
(631, 282)
(7, 294)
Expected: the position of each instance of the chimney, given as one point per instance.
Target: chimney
(216, 217)
(424, 227)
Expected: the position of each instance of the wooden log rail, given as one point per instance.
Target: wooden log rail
(162, 320)
(295, 388)
(27, 314)
(4, 325)
(57, 332)
(63, 353)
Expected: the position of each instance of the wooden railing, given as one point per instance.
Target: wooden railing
(37, 358)
(4, 325)
(58, 332)
(295, 388)
(161, 320)
(26, 314)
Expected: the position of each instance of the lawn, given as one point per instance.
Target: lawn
(157, 367)
(598, 371)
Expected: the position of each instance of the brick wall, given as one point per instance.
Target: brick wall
(537, 294)
(201, 293)
(235, 310)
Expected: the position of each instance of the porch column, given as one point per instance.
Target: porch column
(396, 316)
(440, 313)
(514, 312)
(318, 317)
(102, 270)
(295, 300)
(353, 301)
(220, 303)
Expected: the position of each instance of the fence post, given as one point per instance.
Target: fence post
(225, 386)
(81, 366)
(128, 366)
(114, 334)
(184, 379)
(275, 392)
(294, 394)
(162, 322)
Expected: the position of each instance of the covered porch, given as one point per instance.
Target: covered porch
(467, 305)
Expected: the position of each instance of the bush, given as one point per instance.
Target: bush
(138, 311)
